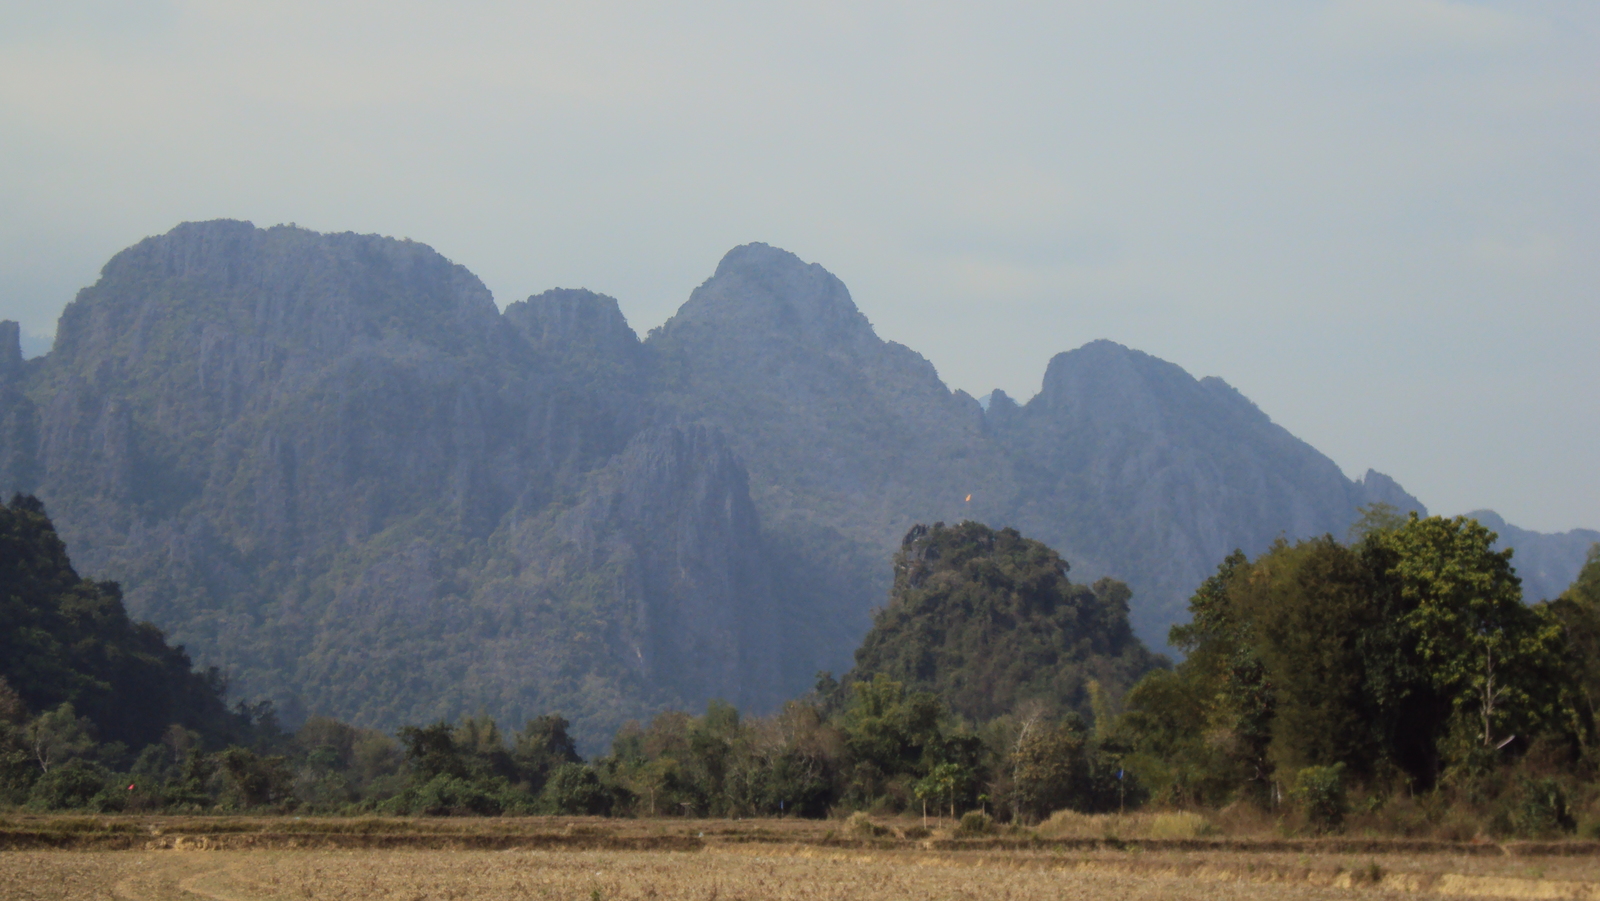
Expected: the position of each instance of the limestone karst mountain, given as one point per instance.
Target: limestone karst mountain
(1547, 562)
(330, 465)
(1131, 466)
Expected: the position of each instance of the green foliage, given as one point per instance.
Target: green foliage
(987, 619)
(975, 823)
(253, 781)
(1408, 657)
(1319, 791)
(1484, 650)
(74, 785)
(575, 789)
(1542, 808)
(1577, 613)
(68, 640)
(1049, 770)
(446, 795)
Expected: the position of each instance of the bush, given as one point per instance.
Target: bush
(449, 796)
(860, 824)
(1540, 808)
(975, 823)
(574, 789)
(1319, 791)
(72, 785)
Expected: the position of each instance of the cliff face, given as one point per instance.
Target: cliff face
(1131, 466)
(19, 418)
(849, 439)
(304, 455)
(328, 464)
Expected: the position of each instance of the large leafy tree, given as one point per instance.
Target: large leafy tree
(1491, 655)
(1578, 612)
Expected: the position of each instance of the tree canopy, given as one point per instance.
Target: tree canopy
(986, 620)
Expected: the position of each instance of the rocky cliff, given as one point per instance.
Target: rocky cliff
(313, 458)
(1134, 468)
(330, 465)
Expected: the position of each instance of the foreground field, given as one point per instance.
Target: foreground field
(287, 859)
(800, 874)
(786, 872)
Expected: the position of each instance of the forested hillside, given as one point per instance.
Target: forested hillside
(988, 622)
(330, 466)
(83, 688)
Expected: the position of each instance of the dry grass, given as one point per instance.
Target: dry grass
(803, 875)
(1158, 855)
(803, 872)
(1141, 825)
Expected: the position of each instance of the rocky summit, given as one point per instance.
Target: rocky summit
(332, 466)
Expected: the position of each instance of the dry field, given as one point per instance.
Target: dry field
(801, 875)
(466, 860)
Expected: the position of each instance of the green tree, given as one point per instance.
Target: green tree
(1577, 611)
(1049, 770)
(541, 746)
(1485, 650)
(254, 781)
(59, 735)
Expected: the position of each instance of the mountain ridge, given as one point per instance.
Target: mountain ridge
(331, 465)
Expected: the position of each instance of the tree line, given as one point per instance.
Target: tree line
(1396, 676)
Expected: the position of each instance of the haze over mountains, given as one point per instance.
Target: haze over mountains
(331, 465)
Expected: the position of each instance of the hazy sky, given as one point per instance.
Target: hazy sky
(1379, 219)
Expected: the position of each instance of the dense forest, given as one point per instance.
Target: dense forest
(1395, 680)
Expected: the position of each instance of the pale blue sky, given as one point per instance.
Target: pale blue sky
(1379, 219)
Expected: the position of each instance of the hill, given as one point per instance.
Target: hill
(68, 640)
(987, 621)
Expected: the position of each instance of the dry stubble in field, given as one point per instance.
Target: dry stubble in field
(780, 875)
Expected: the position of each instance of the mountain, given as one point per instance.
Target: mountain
(850, 439)
(1547, 562)
(331, 466)
(1134, 468)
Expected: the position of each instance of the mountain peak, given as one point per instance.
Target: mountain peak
(292, 286)
(573, 317)
(759, 289)
(758, 256)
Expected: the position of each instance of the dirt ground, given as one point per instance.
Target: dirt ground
(801, 873)
(585, 876)
(268, 859)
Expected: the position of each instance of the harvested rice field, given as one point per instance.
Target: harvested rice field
(269, 860)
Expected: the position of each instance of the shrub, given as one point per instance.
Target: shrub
(449, 796)
(860, 824)
(1540, 808)
(574, 789)
(72, 785)
(975, 823)
(1319, 790)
